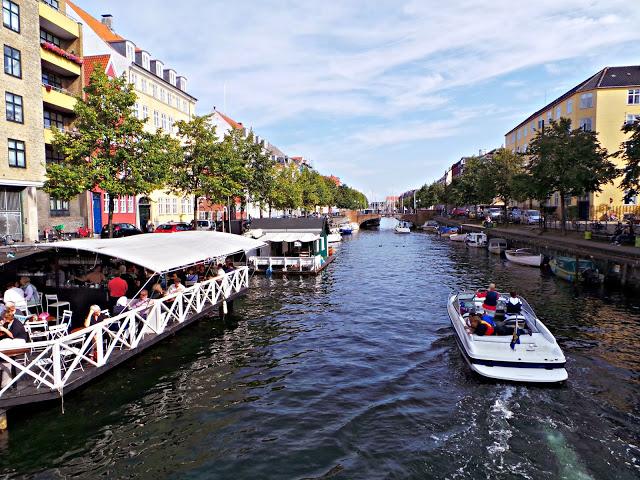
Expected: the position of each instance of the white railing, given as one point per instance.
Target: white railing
(52, 363)
(297, 263)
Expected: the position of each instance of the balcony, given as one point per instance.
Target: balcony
(59, 61)
(58, 98)
(58, 22)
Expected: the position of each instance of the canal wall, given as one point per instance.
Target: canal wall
(620, 264)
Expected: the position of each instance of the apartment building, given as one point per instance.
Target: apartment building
(602, 103)
(22, 168)
(62, 80)
(162, 100)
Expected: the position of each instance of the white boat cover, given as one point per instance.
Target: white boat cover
(164, 252)
(289, 237)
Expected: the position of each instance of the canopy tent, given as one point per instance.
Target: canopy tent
(289, 237)
(164, 252)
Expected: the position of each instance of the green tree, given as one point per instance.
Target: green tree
(108, 147)
(286, 193)
(501, 168)
(260, 171)
(570, 162)
(630, 153)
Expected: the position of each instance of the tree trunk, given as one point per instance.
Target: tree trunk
(110, 222)
(563, 227)
(195, 212)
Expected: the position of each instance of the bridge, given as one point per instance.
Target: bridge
(367, 219)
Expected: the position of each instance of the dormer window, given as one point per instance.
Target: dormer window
(172, 78)
(146, 61)
(130, 52)
(159, 68)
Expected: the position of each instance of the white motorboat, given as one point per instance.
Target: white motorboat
(476, 239)
(430, 226)
(458, 237)
(497, 245)
(355, 226)
(334, 236)
(524, 256)
(536, 357)
(402, 227)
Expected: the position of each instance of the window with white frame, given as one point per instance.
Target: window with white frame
(169, 98)
(161, 206)
(145, 112)
(558, 112)
(123, 204)
(526, 130)
(164, 121)
(171, 124)
(145, 61)
(174, 206)
(163, 95)
(130, 204)
(159, 69)
(143, 85)
(156, 119)
(585, 124)
(634, 96)
(632, 118)
(569, 106)
(540, 124)
(185, 109)
(586, 100)
(187, 207)
(136, 110)
(549, 116)
(133, 79)
(154, 90)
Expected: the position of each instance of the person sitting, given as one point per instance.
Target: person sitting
(156, 291)
(228, 265)
(514, 305)
(476, 325)
(30, 293)
(144, 301)
(120, 306)
(15, 295)
(176, 286)
(13, 329)
(95, 316)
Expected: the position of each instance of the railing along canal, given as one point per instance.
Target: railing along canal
(52, 364)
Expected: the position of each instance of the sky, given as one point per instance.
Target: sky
(386, 94)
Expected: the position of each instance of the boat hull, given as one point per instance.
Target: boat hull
(528, 260)
(402, 230)
(458, 237)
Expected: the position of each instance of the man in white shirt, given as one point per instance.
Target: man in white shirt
(30, 292)
(15, 295)
(176, 286)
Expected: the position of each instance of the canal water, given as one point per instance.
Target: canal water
(355, 375)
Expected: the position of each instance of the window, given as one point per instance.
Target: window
(187, 205)
(164, 122)
(49, 37)
(130, 204)
(549, 116)
(116, 206)
(171, 124)
(632, 118)
(585, 124)
(143, 85)
(170, 98)
(161, 209)
(518, 134)
(634, 96)
(154, 90)
(106, 203)
(52, 79)
(17, 155)
(11, 15)
(123, 204)
(540, 124)
(136, 110)
(14, 107)
(526, 130)
(558, 113)
(12, 63)
(586, 100)
(145, 112)
(133, 79)
(59, 208)
(53, 119)
(51, 155)
(145, 61)
(53, 3)
(162, 95)
(569, 106)
(156, 118)
(131, 53)
(174, 206)
(184, 106)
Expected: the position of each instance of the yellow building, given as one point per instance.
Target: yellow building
(162, 100)
(602, 103)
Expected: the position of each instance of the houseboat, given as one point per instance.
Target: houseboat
(292, 245)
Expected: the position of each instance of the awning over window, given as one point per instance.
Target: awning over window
(164, 252)
(289, 237)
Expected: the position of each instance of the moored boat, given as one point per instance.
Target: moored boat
(497, 245)
(430, 226)
(445, 231)
(536, 357)
(345, 229)
(574, 270)
(524, 256)
(458, 237)
(476, 239)
(402, 227)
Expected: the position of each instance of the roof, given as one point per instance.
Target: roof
(275, 151)
(96, 61)
(104, 32)
(164, 252)
(302, 224)
(289, 237)
(608, 77)
(230, 121)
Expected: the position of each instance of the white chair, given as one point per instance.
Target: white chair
(57, 331)
(52, 301)
(66, 318)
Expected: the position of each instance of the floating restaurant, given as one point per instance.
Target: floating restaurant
(292, 245)
(68, 348)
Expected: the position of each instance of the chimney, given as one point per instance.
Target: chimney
(107, 19)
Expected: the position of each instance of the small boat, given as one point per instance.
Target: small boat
(497, 245)
(536, 356)
(585, 270)
(524, 256)
(354, 226)
(345, 229)
(476, 239)
(445, 231)
(334, 236)
(430, 226)
(402, 227)
(458, 237)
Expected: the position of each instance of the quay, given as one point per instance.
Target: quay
(619, 263)
(48, 369)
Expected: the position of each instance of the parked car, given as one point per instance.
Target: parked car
(172, 227)
(459, 212)
(120, 230)
(206, 225)
(531, 217)
(495, 213)
(515, 215)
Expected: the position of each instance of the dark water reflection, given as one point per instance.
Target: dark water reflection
(355, 374)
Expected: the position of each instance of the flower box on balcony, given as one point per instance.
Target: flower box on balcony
(63, 53)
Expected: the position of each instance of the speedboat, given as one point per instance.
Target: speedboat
(535, 356)
(334, 236)
(430, 226)
(402, 228)
(497, 245)
(585, 270)
(524, 256)
(476, 239)
(445, 231)
(346, 229)
(458, 237)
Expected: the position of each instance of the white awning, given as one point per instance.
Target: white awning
(289, 237)
(163, 252)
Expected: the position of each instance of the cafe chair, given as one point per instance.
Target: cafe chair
(66, 318)
(52, 301)
(57, 331)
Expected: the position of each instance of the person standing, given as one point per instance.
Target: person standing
(117, 288)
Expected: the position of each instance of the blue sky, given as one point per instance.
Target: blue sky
(383, 94)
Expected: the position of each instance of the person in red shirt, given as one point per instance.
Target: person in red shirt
(117, 288)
